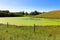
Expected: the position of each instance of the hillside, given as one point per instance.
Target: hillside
(50, 14)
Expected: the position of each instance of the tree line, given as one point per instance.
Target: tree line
(7, 13)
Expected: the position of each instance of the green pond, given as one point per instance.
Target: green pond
(28, 21)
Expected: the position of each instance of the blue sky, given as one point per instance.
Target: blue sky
(29, 5)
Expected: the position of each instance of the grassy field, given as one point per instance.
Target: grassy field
(29, 21)
(13, 32)
(22, 28)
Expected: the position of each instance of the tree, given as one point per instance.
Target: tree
(34, 13)
(26, 13)
(5, 11)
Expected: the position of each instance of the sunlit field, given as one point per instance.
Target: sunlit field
(29, 21)
(23, 28)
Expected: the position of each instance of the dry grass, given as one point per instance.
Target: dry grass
(51, 14)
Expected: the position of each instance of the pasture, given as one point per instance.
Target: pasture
(22, 28)
(29, 21)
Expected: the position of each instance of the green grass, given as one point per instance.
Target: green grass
(27, 33)
(46, 29)
(29, 21)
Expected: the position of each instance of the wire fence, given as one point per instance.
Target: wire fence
(13, 32)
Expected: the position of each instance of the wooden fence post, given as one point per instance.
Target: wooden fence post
(7, 24)
(34, 28)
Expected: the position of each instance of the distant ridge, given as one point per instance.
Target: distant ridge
(55, 11)
(51, 14)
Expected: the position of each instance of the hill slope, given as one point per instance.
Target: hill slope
(50, 14)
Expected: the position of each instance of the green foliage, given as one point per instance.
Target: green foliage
(34, 13)
(6, 13)
(26, 13)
